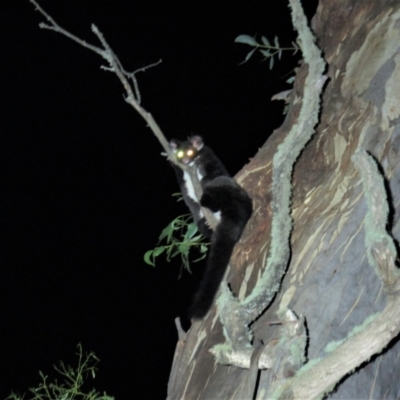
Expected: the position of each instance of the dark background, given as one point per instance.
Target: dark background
(84, 189)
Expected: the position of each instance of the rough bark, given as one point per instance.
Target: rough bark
(332, 280)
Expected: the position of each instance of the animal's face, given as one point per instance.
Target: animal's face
(187, 152)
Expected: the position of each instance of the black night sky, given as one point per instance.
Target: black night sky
(84, 189)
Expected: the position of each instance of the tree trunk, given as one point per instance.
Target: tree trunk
(331, 279)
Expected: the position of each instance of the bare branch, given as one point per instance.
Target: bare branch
(133, 77)
(57, 28)
(116, 67)
(143, 69)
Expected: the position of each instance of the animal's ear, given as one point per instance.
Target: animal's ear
(173, 144)
(197, 142)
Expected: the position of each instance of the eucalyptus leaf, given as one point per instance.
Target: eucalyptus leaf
(196, 239)
(175, 253)
(248, 56)
(200, 258)
(271, 62)
(203, 248)
(183, 248)
(265, 41)
(148, 259)
(247, 39)
(158, 250)
(191, 231)
(266, 53)
(180, 235)
(167, 232)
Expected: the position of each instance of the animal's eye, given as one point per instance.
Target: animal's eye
(180, 154)
(190, 153)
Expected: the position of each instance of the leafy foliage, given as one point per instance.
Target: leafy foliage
(72, 383)
(268, 50)
(181, 236)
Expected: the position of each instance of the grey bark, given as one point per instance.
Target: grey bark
(331, 280)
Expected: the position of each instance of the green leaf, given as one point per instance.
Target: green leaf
(196, 239)
(248, 56)
(203, 248)
(271, 62)
(266, 53)
(265, 41)
(158, 250)
(179, 238)
(183, 248)
(191, 231)
(179, 195)
(166, 232)
(200, 258)
(175, 253)
(291, 80)
(246, 39)
(276, 42)
(148, 259)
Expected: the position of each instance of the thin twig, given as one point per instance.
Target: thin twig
(57, 28)
(134, 80)
(116, 67)
(143, 69)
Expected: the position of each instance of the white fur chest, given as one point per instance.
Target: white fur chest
(192, 194)
(189, 186)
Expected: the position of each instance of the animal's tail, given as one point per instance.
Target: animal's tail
(226, 196)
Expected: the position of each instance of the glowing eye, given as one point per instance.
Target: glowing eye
(190, 152)
(180, 154)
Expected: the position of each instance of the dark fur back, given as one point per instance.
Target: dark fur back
(225, 195)
(209, 166)
(220, 193)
